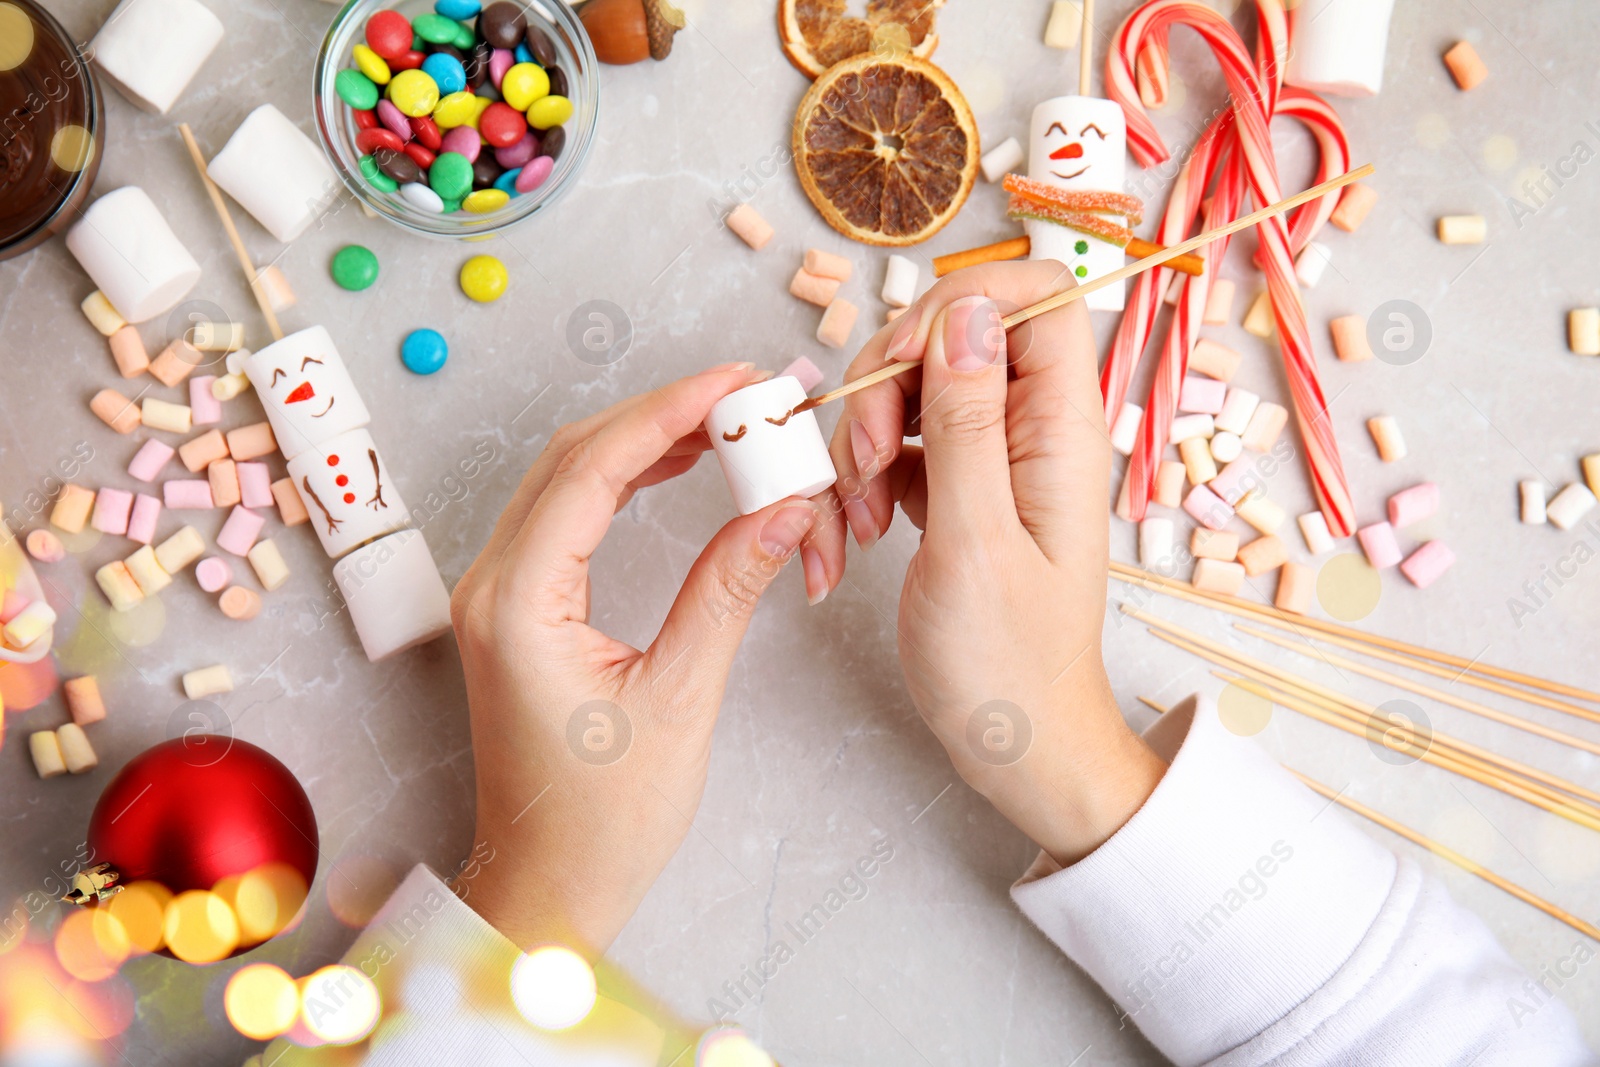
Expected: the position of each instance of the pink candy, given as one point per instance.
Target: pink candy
(149, 460)
(192, 493)
(394, 119)
(806, 372)
(534, 174)
(500, 61)
(1413, 505)
(239, 533)
(204, 408)
(518, 154)
(213, 573)
(142, 523)
(1203, 396)
(1427, 563)
(1207, 508)
(1378, 542)
(12, 604)
(463, 140)
(255, 485)
(111, 508)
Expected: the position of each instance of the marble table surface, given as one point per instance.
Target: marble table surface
(819, 752)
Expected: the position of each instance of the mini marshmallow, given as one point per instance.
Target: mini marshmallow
(129, 250)
(350, 493)
(151, 49)
(1002, 159)
(187, 494)
(228, 386)
(233, 362)
(1338, 48)
(164, 415)
(30, 624)
(1591, 472)
(802, 370)
(72, 509)
(395, 595)
(83, 699)
(255, 485)
(1214, 544)
(208, 336)
(1424, 566)
(128, 352)
(1466, 67)
(280, 295)
(1236, 481)
(291, 509)
(198, 453)
(111, 510)
(1266, 516)
(204, 407)
(213, 573)
(1226, 447)
(1259, 320)
(116, 411)
(307, 391)
(239, 533)
(207, 682)
(46, 752)
(1214, 360)
(240, 604)
(1202, 396)
(1583, 331)
(1197, 461)
(267, 562)
(1174, 290)
(1170, 476)
(1217, 576)
(1312, 264)
(752, 229)
(827, 265)
(1569, 505)
(1207, 508)
(1350, 338)
(1413, 504)
(1463, 229)
(175, 363)
(1533, 509)
(148, 461)
(1314, 528)
(1155, 542)
(119, 586)
(101, 315)
(1185, 427)
(147, 571)
(837, 322)
(1261, 433)
(142, 522)
(76, 752)
(1266, 553)
(275, 172)
(1353, 208)
(1219, 306)
(900, 280)
(223, 477)
(1379, 544)
(762, 461)
(1237, 408)
(180, 550)
(1125, 431)
(1064, 27)
(252, 442)
(1297, 583)
(812, 288)
(1385, 431)
(11, 604)
(45, 547)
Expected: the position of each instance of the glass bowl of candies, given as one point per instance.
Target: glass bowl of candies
(457, 118)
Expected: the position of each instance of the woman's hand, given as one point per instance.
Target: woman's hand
(590, 754)
(1001, 612)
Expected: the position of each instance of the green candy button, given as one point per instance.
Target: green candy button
(465, 38)
(356, 89)
(378, 179)
(451, 175)
(354, 267)
(436, 29)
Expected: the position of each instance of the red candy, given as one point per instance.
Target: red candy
(366, 119)
(502, 125)
(368, 141)
(420, 155)
(389, 34)
(426, 131)
(408, 61)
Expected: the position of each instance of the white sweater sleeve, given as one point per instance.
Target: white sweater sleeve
(1238, 918)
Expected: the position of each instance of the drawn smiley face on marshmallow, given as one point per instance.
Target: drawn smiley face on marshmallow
(767, 452)
(306, 390)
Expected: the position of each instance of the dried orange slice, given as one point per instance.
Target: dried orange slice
(886, 148)
(816, 34)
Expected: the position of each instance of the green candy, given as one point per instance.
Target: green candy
(356, 89)
(451, 206)
(354, 267)
(376, 177)
(466, 37)
(451, 176)
(435, 29)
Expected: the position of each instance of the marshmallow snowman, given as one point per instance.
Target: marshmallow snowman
(307, 390)
(766, 452)
(1079, 142)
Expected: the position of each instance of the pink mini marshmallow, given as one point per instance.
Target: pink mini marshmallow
(1207, 508)
(191, 493)
(142, 522)
(1413, 505)
(204, 408)
(239, 533)
(111, 510)
(1202, 396)
(148, 461)
(807, 372)
(1378, 542)
(213, 573)
(1426, 564)
(1235, 480)
(255, 485)
(12, 604)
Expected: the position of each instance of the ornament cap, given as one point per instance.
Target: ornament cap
(93, 885)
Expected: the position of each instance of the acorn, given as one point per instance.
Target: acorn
(627, 31)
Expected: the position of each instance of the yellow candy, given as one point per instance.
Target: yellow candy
(523, 84)
(480, 104)
(548, 111)
(485, 200)
(414, 93)
(484, 278)
(457, 109)
(372, 65)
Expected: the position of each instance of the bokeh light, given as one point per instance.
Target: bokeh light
(339, 1004)
(553, 987)
(91, 944)
(200, 927)
(730, 1047)
(266, 900)
(16, 36)
(139, 626)
(141, 910)
(72, 148)
(261, 1001)
(1243, 712)
(1348, 588)
(27, 685)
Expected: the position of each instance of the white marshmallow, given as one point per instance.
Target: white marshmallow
(1155, 542)
(150, 49)
(1237, 408)
(1226, 446)
(1533, 504)
(396, 598)
(1063, 125)
(307, 391)
(277, 173)
(762, 461)
(132, 254)
(362, 507)
(1125, 431)
(1312, 264)
(1314, 528)
(1001, 160)
(1337, 46)
(1187, 426)
(1569, 505)
(900, 282)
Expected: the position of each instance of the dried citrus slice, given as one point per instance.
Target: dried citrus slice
(816, 34)
(886, 148)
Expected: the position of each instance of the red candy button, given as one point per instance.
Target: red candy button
(420, 155)
(502, 125)
(369, 141)
(389, 34)
(408, 61)
(366, 119)
(426, 131)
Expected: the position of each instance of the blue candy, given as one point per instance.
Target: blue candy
(424, 351)
(508, 182)
(523, 55)
(446, 71)
(459, 10)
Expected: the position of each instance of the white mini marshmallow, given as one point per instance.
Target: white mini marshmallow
(1337, 46)
(1155, 542)
(1002, 159)
(1568, 506)
(1312, 264)
(1533, 502)
(307, 391)
(396, 598)
(900, 282)
(150, 49)
(277, 173)
(1088, 138)
(126, 246)
(348, 492)
(1237, 408)
(1125, 431)
(763, 461)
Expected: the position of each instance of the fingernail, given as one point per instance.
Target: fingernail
(862, 524)
(783, 532)
(972, 335)
(719, 368)
(816, 576)
(765, 375)
(903, 333)
(866, 453)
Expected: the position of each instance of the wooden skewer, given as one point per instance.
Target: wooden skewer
(233, 233)
(1121, 274)
(1018, 247)
(1086, 50)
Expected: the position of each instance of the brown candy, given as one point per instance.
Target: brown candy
(485, 170)
(543, 49)
(558, 81)
(397, 165)
(553, 141)
(502, 24)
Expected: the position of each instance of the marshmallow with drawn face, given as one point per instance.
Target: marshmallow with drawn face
(347, 490)
(1079, 142)
(306, 390)
(277, 173)
(1337, 46)
(395, 595)
(130, 252)
(767, 453)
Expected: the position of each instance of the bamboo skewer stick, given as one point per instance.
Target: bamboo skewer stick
(1121, 274)
(1018, 247)
(1086, 49)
